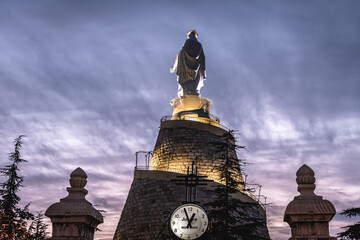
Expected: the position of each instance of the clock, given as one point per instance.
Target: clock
(189, 221)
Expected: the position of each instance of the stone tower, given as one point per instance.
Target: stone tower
(185, 137)
(74, 218)
(189, 136)
(308, 214)
(182, 139)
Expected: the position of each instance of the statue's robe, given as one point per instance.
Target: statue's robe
(190, 64)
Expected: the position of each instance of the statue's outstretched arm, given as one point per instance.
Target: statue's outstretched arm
(172, 69)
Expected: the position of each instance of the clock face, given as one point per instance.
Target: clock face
(189, 221)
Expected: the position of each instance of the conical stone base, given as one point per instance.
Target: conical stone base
(153, 196)
(182, 142)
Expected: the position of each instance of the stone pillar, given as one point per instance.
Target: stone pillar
(74, 217)
(308, 215)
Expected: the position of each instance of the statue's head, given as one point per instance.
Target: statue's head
(192, 32)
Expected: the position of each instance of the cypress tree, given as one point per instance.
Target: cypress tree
(37, 228)
(230, 216)
(352, 232)
(13, 217)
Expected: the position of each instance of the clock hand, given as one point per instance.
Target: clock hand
(187, 217)
(192, 218)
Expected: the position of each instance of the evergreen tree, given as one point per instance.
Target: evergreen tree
(352, 232)
(231, 218)
(37, 228)
(13, 217)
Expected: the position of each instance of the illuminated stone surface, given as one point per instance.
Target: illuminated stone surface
(308, 214)
(74, 217)
(181, 142)
(153, 196)
(190, 102)
(192, 107)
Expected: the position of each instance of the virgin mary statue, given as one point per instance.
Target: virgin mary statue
(190, 66)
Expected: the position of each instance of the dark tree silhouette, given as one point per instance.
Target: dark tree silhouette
(231, 218)
(13, 217)
(352, 232)
(37, 228)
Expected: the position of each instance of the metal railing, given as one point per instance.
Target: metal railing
(154, 168)
(183, 117)
(254, 191)
(147, 155)
(197, 119)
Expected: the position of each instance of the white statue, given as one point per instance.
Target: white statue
(190, 66)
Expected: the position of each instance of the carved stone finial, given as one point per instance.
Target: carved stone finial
(305, 175)
(306, 181)
(78, 178)
(74, 217)
(308, 214)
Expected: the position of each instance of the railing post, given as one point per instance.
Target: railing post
(259, 192)
(136, 161)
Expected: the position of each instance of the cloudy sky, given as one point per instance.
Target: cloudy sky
(88, 81)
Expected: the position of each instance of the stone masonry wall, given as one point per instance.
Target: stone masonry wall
(151, 200)
(181, 142)
(153, 196)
